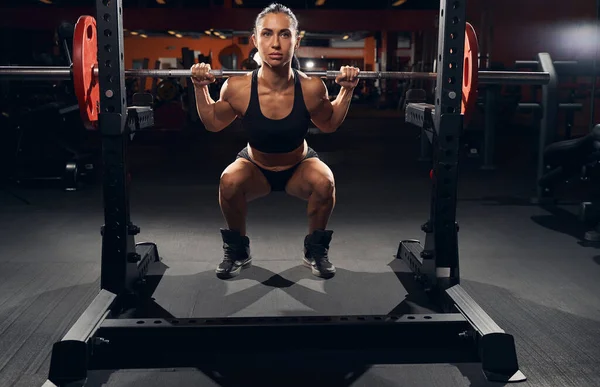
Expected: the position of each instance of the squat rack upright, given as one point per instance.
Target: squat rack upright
(101, 340)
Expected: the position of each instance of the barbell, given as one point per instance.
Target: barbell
(84, 72)
(65, 73)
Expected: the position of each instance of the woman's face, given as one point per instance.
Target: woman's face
(275, 39)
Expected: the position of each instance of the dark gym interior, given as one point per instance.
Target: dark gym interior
(527, 240)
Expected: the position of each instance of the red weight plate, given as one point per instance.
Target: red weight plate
(85, 59)
(470, 74)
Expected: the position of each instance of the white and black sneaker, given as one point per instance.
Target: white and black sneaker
(236, 254)
(316, 249)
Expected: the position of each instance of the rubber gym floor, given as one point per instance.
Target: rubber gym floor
(525, 265)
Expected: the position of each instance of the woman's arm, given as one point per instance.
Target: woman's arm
(215, 116)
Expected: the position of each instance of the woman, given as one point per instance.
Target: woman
(277, 104)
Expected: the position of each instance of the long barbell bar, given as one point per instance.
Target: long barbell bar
(485, 77)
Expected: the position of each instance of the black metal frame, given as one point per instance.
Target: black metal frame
(101, 340)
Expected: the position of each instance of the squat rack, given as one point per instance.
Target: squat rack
(101, 340)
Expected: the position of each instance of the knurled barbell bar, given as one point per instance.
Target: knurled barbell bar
(65, 73)
(84, 72)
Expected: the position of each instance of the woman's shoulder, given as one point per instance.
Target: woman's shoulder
(311, 84)
(305, 77)
(240, 80)
(238, 83)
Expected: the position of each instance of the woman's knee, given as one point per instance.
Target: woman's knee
(231, 184)
(324, 187)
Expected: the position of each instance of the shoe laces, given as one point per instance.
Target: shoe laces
(232, 251)
(318, 252)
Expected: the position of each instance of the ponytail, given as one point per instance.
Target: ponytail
(295, 62)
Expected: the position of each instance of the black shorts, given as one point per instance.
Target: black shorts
(277, 180)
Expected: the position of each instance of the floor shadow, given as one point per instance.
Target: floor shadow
(416, 300)
(565, 222)
(306, 373)
(145, 304)
(283, 366)
(561, 224)
(514, 201)
(328, 369)
(213, 299)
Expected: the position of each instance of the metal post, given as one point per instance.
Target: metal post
(420, 96)
(425, 154)
(448, 124)
(142, 80)
(594, 68)
(188, 61)
(119, 263)
(548, 122)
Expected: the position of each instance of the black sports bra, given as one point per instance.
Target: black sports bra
(276, 136)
